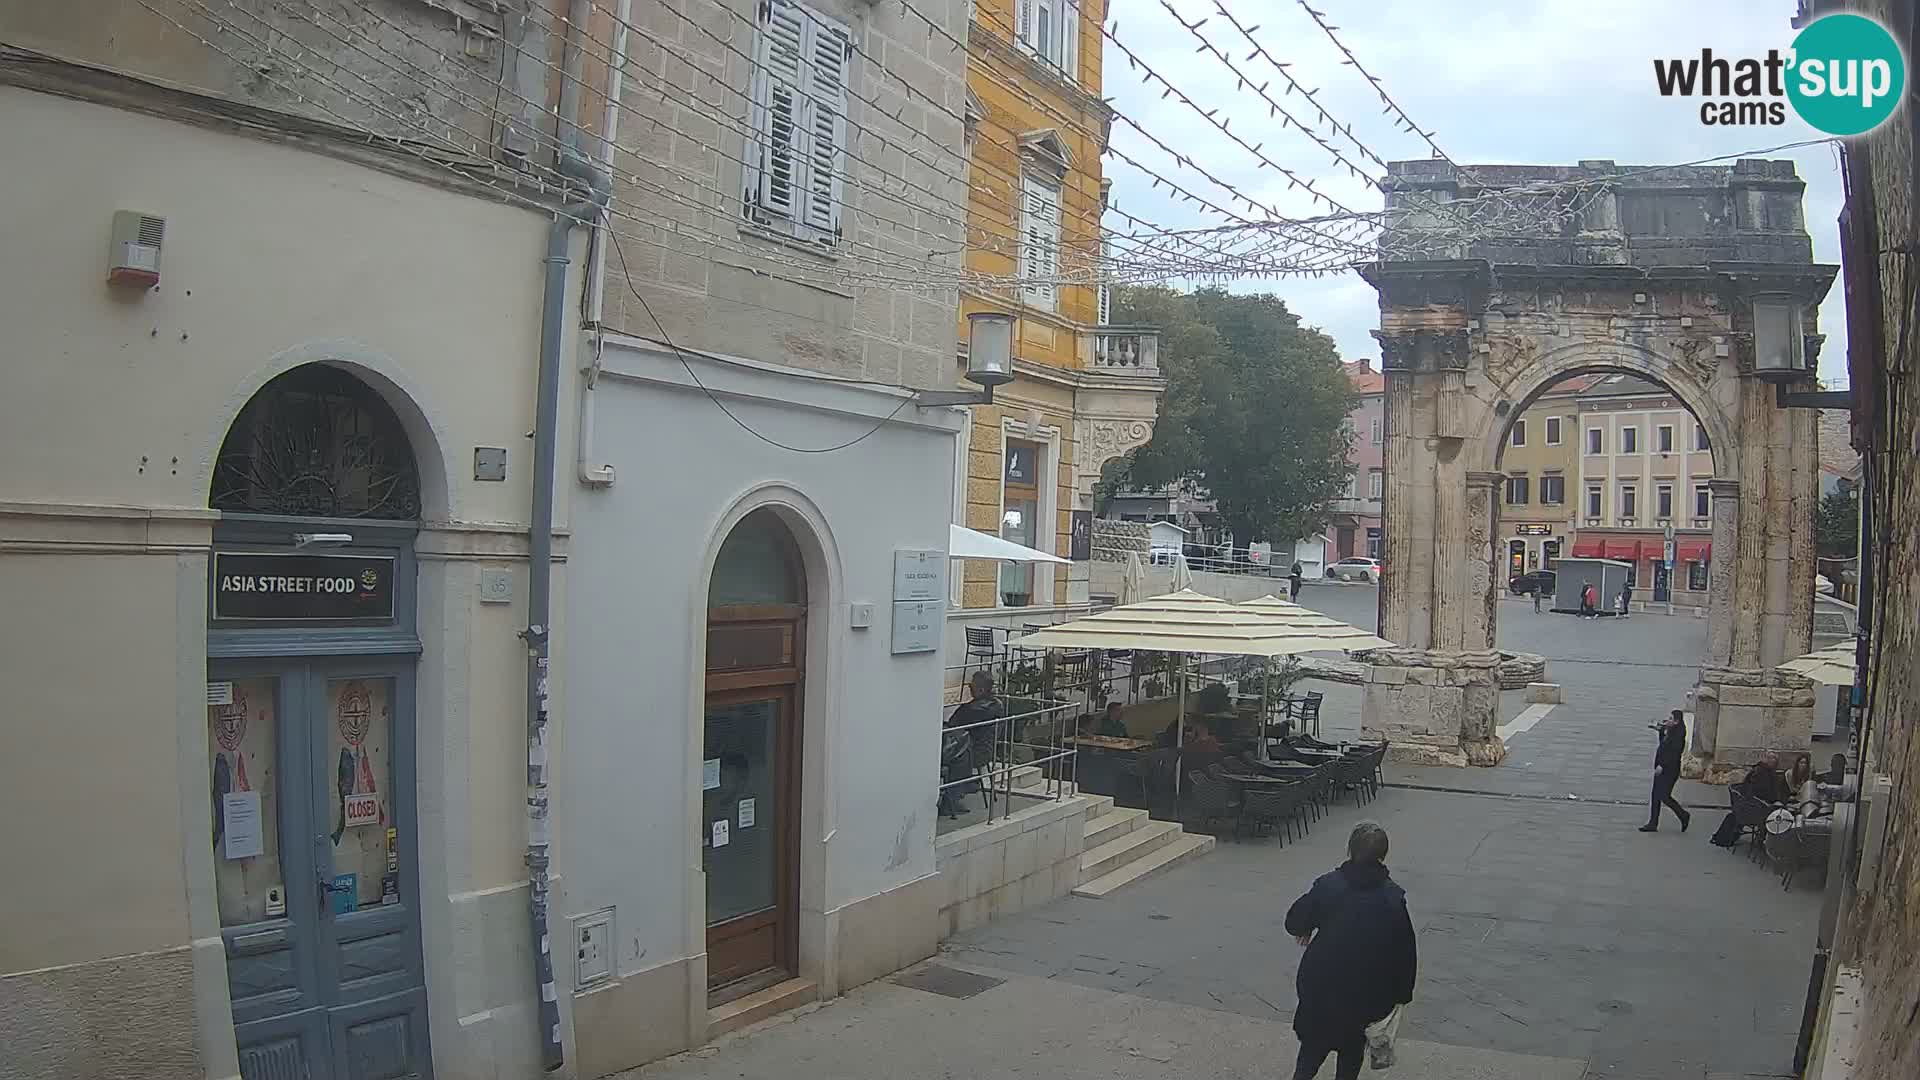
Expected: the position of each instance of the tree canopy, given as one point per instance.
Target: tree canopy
(1255, 411)
(1836, 524)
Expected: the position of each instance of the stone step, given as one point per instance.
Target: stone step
(1096, 804)
(1111, 825)
(759, 1005)
(1186, 846)
(1135, 843)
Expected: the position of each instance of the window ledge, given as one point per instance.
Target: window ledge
(791, 239)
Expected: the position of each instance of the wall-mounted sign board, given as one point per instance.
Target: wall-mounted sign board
(919, 575)
(918, 625)
(294, 586)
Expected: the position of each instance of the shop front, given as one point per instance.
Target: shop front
(311, 736)
(1655, 579)
(1532, 546)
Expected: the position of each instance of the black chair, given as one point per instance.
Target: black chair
(1811, 849)
(1750, 814)
(1272, 805)
(1210, 800)
(980, 645)
(1307, 712)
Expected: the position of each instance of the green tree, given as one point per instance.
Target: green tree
(1836, 524)
(1254, 413)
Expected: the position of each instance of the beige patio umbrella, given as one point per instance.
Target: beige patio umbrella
(1182, 574)
(1831, 666)
(1189, 622)
(1133, 584)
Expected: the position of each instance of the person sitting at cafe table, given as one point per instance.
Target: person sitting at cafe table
(1111, 724)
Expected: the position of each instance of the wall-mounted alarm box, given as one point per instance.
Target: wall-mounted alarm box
(134, 258)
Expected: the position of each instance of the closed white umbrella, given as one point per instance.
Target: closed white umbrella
(1133, 584)
(1182, 574)
(1187, 621)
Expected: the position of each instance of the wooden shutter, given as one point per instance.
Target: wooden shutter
(828, 50)
(778, 109)
(1023, 23)
(1040, 241)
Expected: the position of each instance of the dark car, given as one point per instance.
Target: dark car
(1539, 581)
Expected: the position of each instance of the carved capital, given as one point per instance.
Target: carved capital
(1450, 349)
(1742, 345)
(1490, 481)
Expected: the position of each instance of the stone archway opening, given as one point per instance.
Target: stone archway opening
(1652, 276)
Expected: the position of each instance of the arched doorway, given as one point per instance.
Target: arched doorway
(750, 775)
(311, 657)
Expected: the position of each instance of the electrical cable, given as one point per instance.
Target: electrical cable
(627, 276)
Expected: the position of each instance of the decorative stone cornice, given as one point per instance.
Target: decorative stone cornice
(1456, 283)
(1423, 350)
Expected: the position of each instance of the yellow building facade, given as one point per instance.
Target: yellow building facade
(1084, 392)
(1539, 500)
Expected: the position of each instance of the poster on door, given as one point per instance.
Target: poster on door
(360, 737)
(242, 735)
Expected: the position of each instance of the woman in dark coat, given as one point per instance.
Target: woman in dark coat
(1360, 958)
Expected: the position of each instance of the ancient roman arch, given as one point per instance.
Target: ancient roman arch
(1652, 274)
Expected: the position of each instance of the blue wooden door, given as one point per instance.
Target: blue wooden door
(315, 868)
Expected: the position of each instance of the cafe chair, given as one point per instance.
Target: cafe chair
(1272, 806)
(981, 646)
(1212, 800)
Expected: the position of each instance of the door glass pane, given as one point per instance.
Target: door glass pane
(242, 739)
(357, 773)
(1020, 524)
(740, 829)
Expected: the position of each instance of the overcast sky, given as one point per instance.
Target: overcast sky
(1507, 81)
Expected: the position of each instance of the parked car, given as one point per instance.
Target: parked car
(1357, 568)
(1537, 581)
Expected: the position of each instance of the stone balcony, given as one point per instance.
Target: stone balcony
(1359, 507)
(1127, 350)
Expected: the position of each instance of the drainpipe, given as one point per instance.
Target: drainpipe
(600, 475)
(538, 634)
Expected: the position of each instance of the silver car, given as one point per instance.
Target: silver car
(1355, 569)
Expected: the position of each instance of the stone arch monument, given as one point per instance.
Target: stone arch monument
(1652, 273)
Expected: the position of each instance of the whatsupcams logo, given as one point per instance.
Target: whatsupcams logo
(1844, 75)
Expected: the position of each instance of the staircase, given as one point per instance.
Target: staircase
(1123, 846)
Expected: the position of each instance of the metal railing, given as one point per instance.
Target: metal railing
(1211, 558)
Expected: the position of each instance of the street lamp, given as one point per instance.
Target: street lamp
(989, 362)
(1780, 353)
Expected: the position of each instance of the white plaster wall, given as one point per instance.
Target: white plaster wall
(112, 407)
(628, 796)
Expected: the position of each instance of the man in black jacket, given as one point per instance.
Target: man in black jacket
(1360, 958)
(1666, 772)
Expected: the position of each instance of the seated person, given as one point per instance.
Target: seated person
(1836, 773)
(1765, 782)
(1110, 724)
(1200, 739)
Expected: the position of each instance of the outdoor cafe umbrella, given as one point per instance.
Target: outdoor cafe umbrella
(1188, 622)
(1182, 574)
(1133, 584)
(1831, 666)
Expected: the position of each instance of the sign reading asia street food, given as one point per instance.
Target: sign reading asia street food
(287, 587)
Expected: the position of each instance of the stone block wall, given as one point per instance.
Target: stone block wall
(1112, 540)
(1026, 859)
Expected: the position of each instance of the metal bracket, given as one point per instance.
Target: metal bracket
(929, 399)
(1811, 399)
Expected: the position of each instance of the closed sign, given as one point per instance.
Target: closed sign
(362, 810)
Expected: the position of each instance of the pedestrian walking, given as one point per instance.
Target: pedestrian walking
(1537, 590)
(1589, 601)
(1626, 599)
(1666, 771)
(1293, 582)
(1360, 960)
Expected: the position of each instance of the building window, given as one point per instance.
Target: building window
(1700, 437)
(1593, 501)
(1663, 501)
(1629, 440)
(1039, 241)
(1702, 501)
(1553, 490)
(1697, 576)
(1629, 502)
(1516, 490)
(1596, 440)
(1374, 432)
(1353, 487)
(1050, 30)
(1376, 480)
(1519, 437)
(799, 122)
(1663, 438)
(1019, 517)
(1553, 431)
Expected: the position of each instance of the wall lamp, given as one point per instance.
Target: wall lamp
(989, 362)
(1780, 354)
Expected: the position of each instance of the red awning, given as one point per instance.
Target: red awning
(1587, 549)
(1692, 550)
(1624, 550)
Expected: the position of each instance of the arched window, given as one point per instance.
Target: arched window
(758, 564)
(317, 442)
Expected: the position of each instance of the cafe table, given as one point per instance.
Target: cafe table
(1098, 768)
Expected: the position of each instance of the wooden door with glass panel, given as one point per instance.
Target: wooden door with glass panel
(749, 828)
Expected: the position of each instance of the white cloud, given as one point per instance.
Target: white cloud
(1521, 82)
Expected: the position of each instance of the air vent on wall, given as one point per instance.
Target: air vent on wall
(134, 257)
